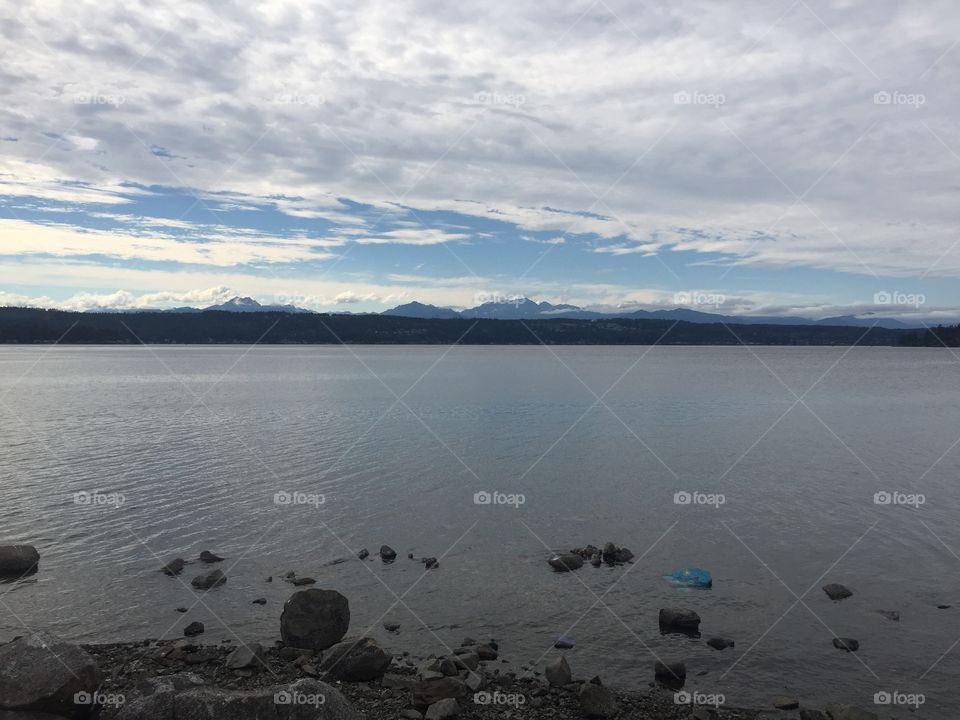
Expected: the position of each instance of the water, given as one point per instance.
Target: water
(199, 440)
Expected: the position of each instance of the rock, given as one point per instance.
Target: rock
(193, 629)
(315, 619)
(302, 700)
(566, 562)
(486, 653)
(943, 607)
(204, 655)
(786, 703)
(387, 553)
(563, 643)
(304, 581)
(363, 555)
(446, 708)
(290, 653)
(410, 714)
(174, 567)
(431, 563)
(596, 700)
(391, 627)
(18, 559)
(208, 557)
(209, 580)
(468, 642)
(356, 660)
(675, 670)
(596, 560)
(680, 618)
(719, 643)
(558, 672)
(182, 609)
(246, 656)
(260, 601)
(427, 692)
(848, 644)
(812, 715)
(398, 682)
(889, 614)
(42, 673)
(449, 667)
(475, 681)
(836, 591)
(848, 712)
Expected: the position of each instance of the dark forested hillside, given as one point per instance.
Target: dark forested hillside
(23, 325)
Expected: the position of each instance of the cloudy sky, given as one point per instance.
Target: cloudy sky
(787, 155)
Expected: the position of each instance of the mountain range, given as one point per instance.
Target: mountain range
(527, 309)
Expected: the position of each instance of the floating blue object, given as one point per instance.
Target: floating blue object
(691, 577)
(563, 643)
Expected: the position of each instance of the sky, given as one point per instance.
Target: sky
(755, 157)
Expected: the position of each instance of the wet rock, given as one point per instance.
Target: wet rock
(391, 627)
(670, 670)
(558, 672)
(298, 582)
(303, 700)
(410, 714)
(42, 673)
(786, 703)
(449, 667)
(260, 601)
(893, 615)
(596, 560)
(943, 607)
(387, 553)
(18, 559)
(431, 563)
(363, 554)
(848, 644)
(356, 660)
(174, 567)
(427, 692)
(202, 656)
(469, 660)
(182, 609)
(848, 712)
(679, 618)
(566, 562)
(446, 708)
(719, 643)
(835, 591)
(246, 656)
(193, 629)
(315, 619)
(468, 642)
(486, 653)
(597, 700)
(563, 643)
(209, 580)
(209, 557)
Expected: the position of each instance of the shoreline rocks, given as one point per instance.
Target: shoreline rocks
(18, 559)
(679, 619)
(566, 562)
(315, 619)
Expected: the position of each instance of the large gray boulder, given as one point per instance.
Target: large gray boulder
(315, 619)
(18, 559)
(167, 698)
(42, 673)
(356, 660)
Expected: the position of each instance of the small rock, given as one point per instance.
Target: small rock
(431, 563)
(468, 642)
(449, 667)
(595, 560)
(943, 607)
(486, 653)
(680, 618)
(475, 681)
(260, 601)
(409, 556)
(786, 703)
(304, 581)
(848, 644)
(427, 692)
(719, 643)
(194, 628)
(812, 715)
(209, 580)
(391, 627)
(563, 643)
(387, 553)
(835, 591)
(848, 712)
(183, 609)
(442, 709)
(675, 670)
(889, 614)
(596, 700)
(246, 656)
(558, 672)
(363, 555)
(174, 567)
(208, 557)
(356, 660)
(410, 714)
(566, 562)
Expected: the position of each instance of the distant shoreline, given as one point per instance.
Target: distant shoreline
(30, 326)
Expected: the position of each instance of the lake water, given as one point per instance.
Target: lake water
(187, 447)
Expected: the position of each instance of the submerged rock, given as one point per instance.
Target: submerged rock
(303, 581)
(174, 567)
(893, 615)
(387, 553)
(363, 554)
(679, 618)
(208, 557)
(315, 619)
(209, 580)
(671, 670)
(193, 629)
(18, 559)
(848, 644)
(719, 643)
(566, 562)
(836, 591)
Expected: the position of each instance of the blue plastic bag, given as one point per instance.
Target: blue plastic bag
(691, 577)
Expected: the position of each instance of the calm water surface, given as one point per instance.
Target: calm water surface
(397, 440)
